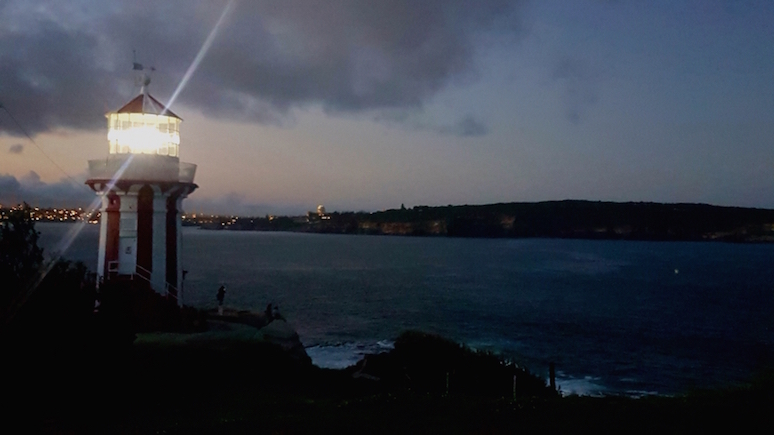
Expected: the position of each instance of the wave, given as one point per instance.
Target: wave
(345, 354)
(580, 386)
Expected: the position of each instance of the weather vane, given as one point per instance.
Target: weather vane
(143, 78)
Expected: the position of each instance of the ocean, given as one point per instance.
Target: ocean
(615, 317)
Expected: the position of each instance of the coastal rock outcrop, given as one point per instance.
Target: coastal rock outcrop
(232, 329)
(280, 333)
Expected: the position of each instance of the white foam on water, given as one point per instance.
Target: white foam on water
(343, 355)
(592, 386)
(586, 386)
(640, 393)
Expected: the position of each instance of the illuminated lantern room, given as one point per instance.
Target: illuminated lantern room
(143, 126)
(143, 144)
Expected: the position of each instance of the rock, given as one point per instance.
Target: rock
(234, 328)
(279, 332)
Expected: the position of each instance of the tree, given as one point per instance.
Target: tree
(20, 258)
(31, 291)
(20, 255)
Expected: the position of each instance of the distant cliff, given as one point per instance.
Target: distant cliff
(550, 219)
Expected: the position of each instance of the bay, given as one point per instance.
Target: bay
(616, 317)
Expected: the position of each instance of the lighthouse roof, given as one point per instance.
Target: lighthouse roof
(145, 103)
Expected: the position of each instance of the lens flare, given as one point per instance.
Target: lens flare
(71, 235)
(68, 239)
(64, 244)
(199, 56)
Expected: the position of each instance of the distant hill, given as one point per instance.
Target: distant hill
(587, 220)
(549, 219)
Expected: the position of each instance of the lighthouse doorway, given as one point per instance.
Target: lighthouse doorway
(127, 247)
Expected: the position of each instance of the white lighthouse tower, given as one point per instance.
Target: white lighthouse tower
(142, 183)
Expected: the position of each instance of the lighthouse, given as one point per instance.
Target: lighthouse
(142, 184)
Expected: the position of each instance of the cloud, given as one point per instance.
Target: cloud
(579, 86)
(8, 185)
(31, 180)
(16, 149)
(235, 204)
(466, 127)
(61, 65)
(30, 189)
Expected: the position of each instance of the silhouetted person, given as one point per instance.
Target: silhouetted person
(275, 314)
(220, 296)
(268, 313)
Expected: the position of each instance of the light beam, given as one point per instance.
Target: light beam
(199, 56)
(71, 235)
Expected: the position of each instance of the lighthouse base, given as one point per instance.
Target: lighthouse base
(140, 233)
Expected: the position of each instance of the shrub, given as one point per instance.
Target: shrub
(430, 363)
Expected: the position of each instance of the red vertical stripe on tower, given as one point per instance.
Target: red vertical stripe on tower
(113, 227)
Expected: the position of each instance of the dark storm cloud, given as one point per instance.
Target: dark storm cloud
(30, 189)
(579, 86)
(16, 148)
(49, 77)
(62, 67)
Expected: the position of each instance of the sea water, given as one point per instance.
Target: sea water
(615, 317)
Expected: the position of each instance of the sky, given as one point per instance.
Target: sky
(364, 105)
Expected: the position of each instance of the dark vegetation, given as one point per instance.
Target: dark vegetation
(36, 296)
(551, 219)
(53, 300)
(431, 364)
(67, 369)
